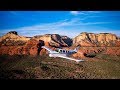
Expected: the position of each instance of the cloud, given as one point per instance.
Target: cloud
(59, 27)
(74, 12)
(79, 12)
(84, 12)
(66, 27)
(93, 11)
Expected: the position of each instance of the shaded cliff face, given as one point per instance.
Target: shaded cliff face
(91, 39)
(55, 40)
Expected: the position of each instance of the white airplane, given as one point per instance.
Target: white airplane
(62, 53)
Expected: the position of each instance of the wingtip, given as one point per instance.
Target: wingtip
(42, 46)
(80, 61)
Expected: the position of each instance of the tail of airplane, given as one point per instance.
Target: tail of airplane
(77, 48)
(48, 49)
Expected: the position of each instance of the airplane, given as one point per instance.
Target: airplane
(62, 53)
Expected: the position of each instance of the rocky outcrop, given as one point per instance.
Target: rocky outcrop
(30, 48)
(113, 51)
(117, 43)
(11, 43)
(55, 40)
(88, 51)
(12, 38)
(91, 39)
(67, 40)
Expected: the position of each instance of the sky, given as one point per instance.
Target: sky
(68, 23)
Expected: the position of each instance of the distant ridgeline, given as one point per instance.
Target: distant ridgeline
(83, 39)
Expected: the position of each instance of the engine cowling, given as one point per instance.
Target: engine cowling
(50, 55)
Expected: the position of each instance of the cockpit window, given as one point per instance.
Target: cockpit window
(57, 50)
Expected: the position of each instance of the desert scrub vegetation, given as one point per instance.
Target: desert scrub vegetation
(44, 67)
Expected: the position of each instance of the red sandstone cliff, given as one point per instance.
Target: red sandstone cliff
(91, 39)
(12, 43)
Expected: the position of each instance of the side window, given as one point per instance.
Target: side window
(63, 51)
(60, 50)
(66, 51)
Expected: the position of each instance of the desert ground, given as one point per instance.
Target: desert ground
(43, 67)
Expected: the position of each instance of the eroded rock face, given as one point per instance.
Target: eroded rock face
(88, 51)
(30, 48)
(67, 40)
(91, 39)
(113, 51)
(55, 40)
(117, 43)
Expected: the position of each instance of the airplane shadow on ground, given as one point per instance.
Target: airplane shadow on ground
(90, 55)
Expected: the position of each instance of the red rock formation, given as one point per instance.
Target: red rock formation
(13, 39)
(55, 40)
(15, 50)
(113, 51)
(50, 40)
(84, 51)
(91, 39)
(30, 48)
(79, 54)
(117, 43)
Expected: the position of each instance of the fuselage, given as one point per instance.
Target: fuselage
(61, 52)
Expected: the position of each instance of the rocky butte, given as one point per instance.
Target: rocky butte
(12, 43)
(12, 38)
(91, 39)
(96, 43)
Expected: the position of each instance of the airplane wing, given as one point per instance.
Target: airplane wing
(70, 58)
(48, 49)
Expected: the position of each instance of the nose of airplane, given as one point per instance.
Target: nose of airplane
(50, 55)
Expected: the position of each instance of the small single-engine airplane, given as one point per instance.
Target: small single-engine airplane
(62, 53)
